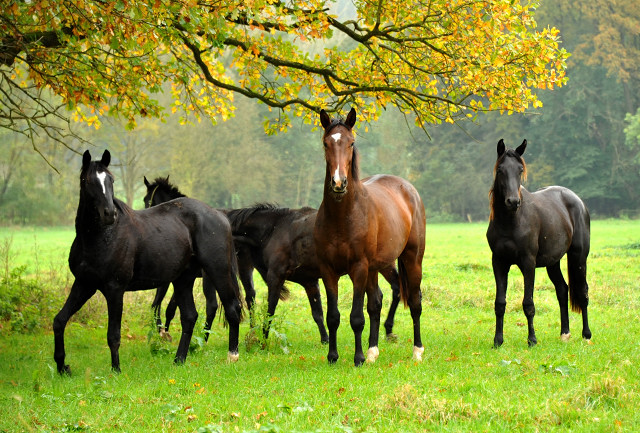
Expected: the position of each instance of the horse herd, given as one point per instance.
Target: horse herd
(364, 227)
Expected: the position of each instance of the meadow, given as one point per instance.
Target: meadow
(463, 384)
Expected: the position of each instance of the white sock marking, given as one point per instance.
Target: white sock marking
(417, 353)
(372, 354)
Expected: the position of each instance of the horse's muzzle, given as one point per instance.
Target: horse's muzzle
(512, 204)
(339, 187)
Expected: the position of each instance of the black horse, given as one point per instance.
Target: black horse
(162, 191)
(534, 230)
(278, 242)
(118, 249)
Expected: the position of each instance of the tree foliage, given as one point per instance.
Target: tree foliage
(439, 60)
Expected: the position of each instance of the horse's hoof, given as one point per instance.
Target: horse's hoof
(232, 357)
(532, 343)
(165, 335)
(65, 370)
(116, 369)
(372, 354)
(358, 360)
(497, 342)
(332, 358)
(392, 337)
(565, 337)
(417, 353)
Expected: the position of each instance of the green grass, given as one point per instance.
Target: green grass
(463, 384)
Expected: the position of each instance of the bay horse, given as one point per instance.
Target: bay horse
(278, 242)
(118, 249)
(362, 228)
(533, 230)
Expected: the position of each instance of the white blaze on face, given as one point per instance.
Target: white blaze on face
(101, 177)
(336, 176)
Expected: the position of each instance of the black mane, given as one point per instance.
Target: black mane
(163, 184)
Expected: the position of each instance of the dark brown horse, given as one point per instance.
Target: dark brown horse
(362, 227)
(118, 249)
(533, 230)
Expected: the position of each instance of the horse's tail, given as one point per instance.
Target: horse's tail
(403, 282)
(578, 287)
(284, 293)
(577, 261)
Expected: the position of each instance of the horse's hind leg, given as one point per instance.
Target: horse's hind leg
(209, 291)
(245, 272)
(170, 313)
(411, 272)
(275, 288)
(562, 293)
(315, 302)
(157, 306)
(374, 307)
(78, 296)
(391, 275)
(183, 294)
(219, 268)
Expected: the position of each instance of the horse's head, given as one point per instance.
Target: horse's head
(96, 186)
(160, 191)
(339, 150)
(509, 172)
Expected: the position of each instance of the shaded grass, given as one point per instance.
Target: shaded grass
(462, 384)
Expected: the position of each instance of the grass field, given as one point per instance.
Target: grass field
(463, 384)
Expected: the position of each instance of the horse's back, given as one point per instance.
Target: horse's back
(394, 194)
(399, 210)
(564, 219)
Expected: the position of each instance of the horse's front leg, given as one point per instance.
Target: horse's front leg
(374, 307)
(78, 296)
(528, 270)
(359, 276)
(115, 301)
(330, 281)
(501, 274)
(183, 293)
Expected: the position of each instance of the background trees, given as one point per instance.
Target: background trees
(577, 138)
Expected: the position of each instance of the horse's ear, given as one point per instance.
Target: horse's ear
(86, 159)
(351, 118)
(106, 158)
(520, 149)
(501, 148)
(325, 120)
(146, 182)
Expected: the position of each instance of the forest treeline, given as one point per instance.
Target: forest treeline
(586, 137)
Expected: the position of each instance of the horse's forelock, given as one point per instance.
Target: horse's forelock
(92, 169)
